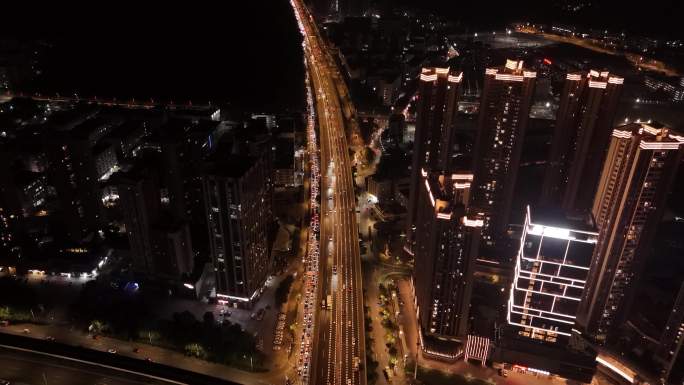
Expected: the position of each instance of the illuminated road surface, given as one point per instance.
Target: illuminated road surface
(339, 339)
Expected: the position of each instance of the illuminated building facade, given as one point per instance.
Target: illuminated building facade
(583, 127)
(550, 274)
(551, 271)
(640, 165)
(438, 92)
(446, 246)
(73, 171)
(504, 113)
(11, 213)
(238, 210)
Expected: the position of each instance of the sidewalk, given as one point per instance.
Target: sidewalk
(168, 357)
(380, 351)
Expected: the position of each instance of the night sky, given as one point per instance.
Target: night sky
(248, 54)
(244, 52)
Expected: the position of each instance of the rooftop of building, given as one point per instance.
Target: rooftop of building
(650, 132)
(511, 70)
(141, 168)
(432, 73)
(26, 177)
(224, 164)
(554, 216)
(101, 147)
(564, 358)
(127, 128)
(597, 78)
(169, 224)
(67, 118)
(442, 190)
(172, 129)
(196, 112)
(88, 127)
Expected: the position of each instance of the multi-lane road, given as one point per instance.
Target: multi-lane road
(338, 356)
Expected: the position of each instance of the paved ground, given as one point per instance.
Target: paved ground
(35, 369)
(264, 328)
(279, 362)
(380, 351)
(157, 354)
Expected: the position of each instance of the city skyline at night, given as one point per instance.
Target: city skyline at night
(342, 192)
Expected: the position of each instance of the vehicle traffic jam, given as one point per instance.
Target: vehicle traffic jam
(311, 258)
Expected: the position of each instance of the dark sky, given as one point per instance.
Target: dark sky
(247, 53)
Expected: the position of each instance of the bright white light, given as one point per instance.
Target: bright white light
(373, 199)
(555, 232)
(615, 369)
(189, 286)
